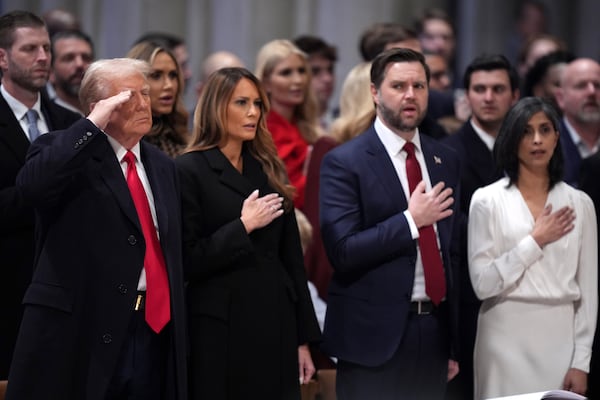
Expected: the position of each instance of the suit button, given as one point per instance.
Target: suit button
(122, 288)
(107, 338)
(132, 240)
(88, 134)
(80, 141)
(76, 146)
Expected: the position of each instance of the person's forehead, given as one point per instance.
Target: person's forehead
(403, 69)
(25, 34)
(69, 42)
(437, 24)
(491, 76)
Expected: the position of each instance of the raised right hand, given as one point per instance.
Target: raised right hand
(427, 208)
(103, 109)
(260, 211)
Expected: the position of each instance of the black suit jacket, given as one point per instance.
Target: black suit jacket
(371, 249)
(588, 182)
(89, 255)
(16, 221)
(571, 156)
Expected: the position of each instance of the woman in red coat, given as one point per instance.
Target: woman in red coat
(292, 121)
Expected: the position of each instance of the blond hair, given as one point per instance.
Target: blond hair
(357, 110)
(306, 114)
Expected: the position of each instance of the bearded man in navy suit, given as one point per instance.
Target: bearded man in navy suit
(392, 338)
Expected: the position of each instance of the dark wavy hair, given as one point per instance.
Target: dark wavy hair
(396, 55)
(512, 131)
(210, 121)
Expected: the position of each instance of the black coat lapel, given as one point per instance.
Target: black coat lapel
(159, 183)
(11, 132)
(112, 174)
(228, 175)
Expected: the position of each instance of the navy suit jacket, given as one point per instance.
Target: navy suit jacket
(370, 246)
(89, 255)
(571, 155)
(16, 221)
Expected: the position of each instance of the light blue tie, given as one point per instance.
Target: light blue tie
(32, 117)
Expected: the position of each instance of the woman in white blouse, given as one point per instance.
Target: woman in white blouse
(533, 262)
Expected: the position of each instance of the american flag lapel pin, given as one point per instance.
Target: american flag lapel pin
(437, 160)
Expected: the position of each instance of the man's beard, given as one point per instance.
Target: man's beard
(589, 117)
(22, 78)
(394, 119)
(69, 88)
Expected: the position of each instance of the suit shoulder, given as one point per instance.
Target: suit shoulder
(357, 144)
(439, 146)
(155, 153)
(190, 161)
(62, 116)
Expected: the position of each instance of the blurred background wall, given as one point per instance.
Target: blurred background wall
(242, 26)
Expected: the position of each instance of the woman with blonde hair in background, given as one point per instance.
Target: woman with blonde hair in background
(293, 120)
(169, 117)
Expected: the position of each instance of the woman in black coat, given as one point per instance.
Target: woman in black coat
(250, 314)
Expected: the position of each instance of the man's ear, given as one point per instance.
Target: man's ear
(3, 59)
(374, 94)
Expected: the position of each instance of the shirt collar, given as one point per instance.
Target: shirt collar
(487, 139)
(19, 109)
(392, 142)
(120, 151)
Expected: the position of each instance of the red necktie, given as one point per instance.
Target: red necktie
(435, 282)
(157, 307)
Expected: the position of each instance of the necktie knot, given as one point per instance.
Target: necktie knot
(32, 118)
(129, 158)
(409, 147)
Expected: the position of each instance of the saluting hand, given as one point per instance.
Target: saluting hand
(103, 109)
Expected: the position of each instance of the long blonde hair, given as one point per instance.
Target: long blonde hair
(357, 110)
(306, 114)
(210, 120)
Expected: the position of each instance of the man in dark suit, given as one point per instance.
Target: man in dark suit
(579, 99)
(392, 329)
(104, 315)
(25, 65)
(491, 87)
(588, 182)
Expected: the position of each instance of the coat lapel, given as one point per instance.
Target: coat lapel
(434, 160)
(384, 170)
(11, 133)
(479, 158)
(159, 183)
(112, 174)
(228, 175)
